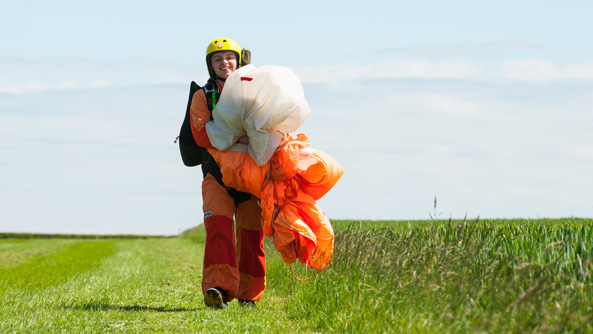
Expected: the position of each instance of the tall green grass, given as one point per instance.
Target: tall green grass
(451, 277)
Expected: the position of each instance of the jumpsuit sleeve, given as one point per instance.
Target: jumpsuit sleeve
(199, 116)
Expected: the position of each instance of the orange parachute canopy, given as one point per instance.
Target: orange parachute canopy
(288, 186)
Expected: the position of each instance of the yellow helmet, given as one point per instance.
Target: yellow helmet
(222, 44)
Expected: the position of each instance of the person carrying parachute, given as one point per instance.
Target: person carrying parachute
(234, 260)
(247, 135)
(267, 103)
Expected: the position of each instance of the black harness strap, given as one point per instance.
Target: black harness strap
(209, 166)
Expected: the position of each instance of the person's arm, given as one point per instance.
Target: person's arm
(199, 116)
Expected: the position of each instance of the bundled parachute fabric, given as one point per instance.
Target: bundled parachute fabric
(288, 186)
(263, 103)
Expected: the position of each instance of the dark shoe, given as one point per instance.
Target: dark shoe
(215, 298)
(246, 303)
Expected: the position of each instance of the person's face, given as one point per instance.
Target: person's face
(224, 63)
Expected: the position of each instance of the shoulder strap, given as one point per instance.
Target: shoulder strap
(191, 153)
(212, 93)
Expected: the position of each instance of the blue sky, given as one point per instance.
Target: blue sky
(485, 105)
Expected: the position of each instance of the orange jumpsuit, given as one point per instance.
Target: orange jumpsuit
(234, 258)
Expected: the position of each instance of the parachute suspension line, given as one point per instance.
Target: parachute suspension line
(267, 197)
(266, 181)
(302, 279)
(269, 190)
(279, 170)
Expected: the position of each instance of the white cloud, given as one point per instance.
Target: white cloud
(32, 76)
(522, 70)
(482, 50)
(582, 152)
(538, 71)
(433, 102)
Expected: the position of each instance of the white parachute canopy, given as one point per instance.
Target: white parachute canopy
(264, 103)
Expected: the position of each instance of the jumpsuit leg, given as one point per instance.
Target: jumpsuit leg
(250, 250)
(220, 261)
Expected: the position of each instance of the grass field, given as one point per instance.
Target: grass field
(485, 276)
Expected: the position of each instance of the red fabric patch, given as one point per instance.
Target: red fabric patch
(252, 260)
(220, 244)
(246, 79)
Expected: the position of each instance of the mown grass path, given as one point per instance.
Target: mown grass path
(118, 285)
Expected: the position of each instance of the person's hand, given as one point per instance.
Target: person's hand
(243, 140)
